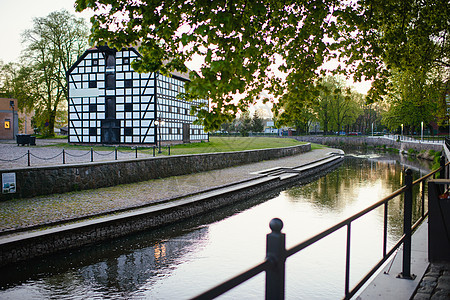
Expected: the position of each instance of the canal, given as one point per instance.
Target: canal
(184, 259)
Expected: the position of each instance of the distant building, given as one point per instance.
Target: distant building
(9, 120)
(110, 103)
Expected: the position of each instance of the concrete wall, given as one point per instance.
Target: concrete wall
(38, 243)
(37, 181)
(342, 141)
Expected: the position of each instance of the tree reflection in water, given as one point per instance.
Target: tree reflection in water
(182, 260)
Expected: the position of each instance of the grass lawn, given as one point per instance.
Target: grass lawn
(215, 144)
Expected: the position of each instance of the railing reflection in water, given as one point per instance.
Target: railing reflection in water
(276, 252)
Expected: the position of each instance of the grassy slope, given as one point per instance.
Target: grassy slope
(215, 144)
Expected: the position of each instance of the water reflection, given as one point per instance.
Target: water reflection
(184, 259)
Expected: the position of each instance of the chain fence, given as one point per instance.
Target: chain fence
(77, 157)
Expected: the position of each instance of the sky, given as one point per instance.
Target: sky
(17, 15)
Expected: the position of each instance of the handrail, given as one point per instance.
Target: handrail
(276, 254)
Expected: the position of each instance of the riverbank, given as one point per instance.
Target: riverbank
(373, 141)
(19, 216)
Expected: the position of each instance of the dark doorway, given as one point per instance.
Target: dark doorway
(110, 131)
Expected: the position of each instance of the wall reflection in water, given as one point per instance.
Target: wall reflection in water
(184, 259)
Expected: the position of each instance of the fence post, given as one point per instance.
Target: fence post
(276, 253)
(407, 220)
(169, 150)
(154, 148)
(115, 153)
(136, 150)
(64, 157)
(92, 154)
(29, 162)
(442, 163)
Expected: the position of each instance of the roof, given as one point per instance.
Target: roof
(180, 75)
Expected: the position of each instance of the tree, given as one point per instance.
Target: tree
(414, 98)
(52, 46)
(257, 122)
(245, 123)
(241, 41)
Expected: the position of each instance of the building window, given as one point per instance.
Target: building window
(92, 84)
(95, 62)
(128, 107)
(128, 131)
(128, 83)
(92, 131)
(92, 107)
(126, 61)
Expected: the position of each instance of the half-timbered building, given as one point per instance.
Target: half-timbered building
(110, 103)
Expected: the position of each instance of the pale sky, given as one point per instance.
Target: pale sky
(17, 16)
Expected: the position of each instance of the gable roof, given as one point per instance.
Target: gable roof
(180, 75)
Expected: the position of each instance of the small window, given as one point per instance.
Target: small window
(92, 107)
(128, 83)
(95, 62)
(128, 107)
(92, 84)
(128, 131)
(126, 61)
(92, 131)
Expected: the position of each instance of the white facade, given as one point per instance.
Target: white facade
(110, 103)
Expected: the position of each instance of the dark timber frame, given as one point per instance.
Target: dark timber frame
(110, 103)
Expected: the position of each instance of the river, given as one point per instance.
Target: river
(187, 258)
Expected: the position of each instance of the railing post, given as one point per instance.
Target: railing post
(92, 154)
(276, 253)
(136, 148)
(64, 157)
(154, 148)
(407, 220)
(115, 153)
(442, 163)
(29, 158)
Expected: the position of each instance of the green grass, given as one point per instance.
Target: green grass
(230, 144)
(215, 144)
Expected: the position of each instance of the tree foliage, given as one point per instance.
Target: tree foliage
(414, 98)
(241, 42)
(52, 46)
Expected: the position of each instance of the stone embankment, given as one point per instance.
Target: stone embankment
(20, 246)
(31, 182)
(375, 141)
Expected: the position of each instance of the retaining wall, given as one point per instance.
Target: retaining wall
(47, 180)
(30, 245)
(359, 141)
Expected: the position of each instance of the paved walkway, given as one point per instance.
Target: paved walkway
(44, 210)
(43, 154)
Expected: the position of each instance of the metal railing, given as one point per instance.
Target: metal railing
(415, 139)
(276, 252)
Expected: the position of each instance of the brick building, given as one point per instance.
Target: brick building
(9, 120)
